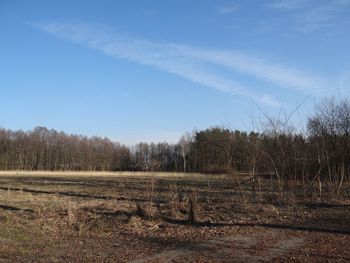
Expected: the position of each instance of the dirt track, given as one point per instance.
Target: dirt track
(233, 248)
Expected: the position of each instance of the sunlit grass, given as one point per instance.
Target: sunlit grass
(103, 174)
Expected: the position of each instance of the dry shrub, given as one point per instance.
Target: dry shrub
(72, 213)
(174, 200)
(146, 210)
(193, 207)
(140, 210)
(268, 209)
(150, 208)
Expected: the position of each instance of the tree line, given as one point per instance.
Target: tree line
(320, 152)
(212, 150)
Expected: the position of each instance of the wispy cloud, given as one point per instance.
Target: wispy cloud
(289, 4)
(316, 18)
(195, 64)
(282, 76)
(228, 9)
(311, 15)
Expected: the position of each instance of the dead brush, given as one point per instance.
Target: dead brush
(146, 211)
(148, 208)
(174, 200)
(72, 213)
(193, 207)
(141, 210)
(44, 208)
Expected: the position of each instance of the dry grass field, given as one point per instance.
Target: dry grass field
(162, 217)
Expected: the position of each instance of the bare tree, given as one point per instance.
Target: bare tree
(185, 144)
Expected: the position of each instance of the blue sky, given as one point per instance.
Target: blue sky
(152, 70)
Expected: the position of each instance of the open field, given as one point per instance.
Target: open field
(162, 217)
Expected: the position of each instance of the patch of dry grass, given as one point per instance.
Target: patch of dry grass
(104, 174)
(82, 213)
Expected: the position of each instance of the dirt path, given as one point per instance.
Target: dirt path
(234, 248)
